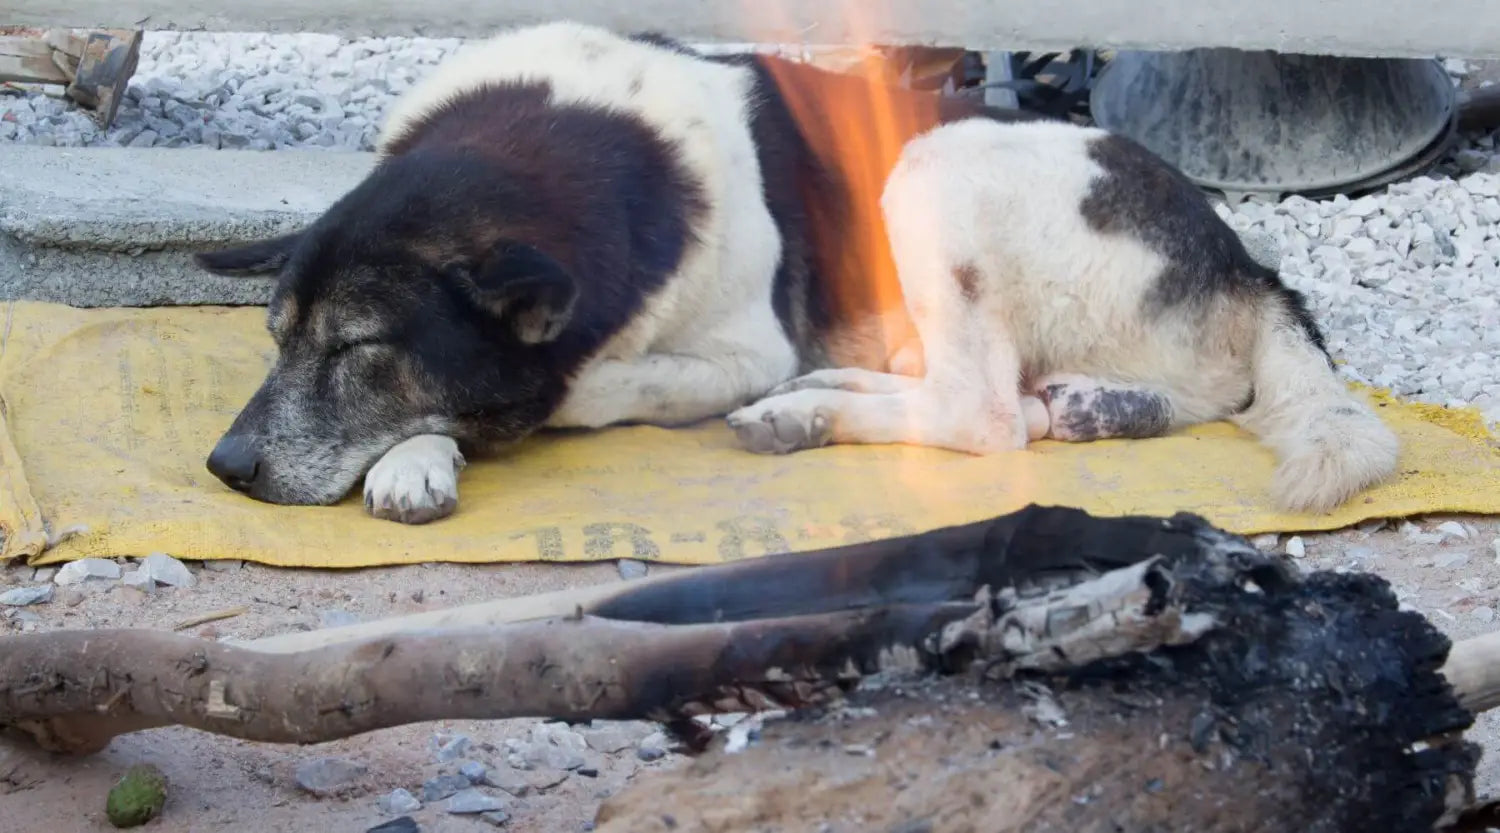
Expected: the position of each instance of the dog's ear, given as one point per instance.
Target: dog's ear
(526, 288)
(263, 257)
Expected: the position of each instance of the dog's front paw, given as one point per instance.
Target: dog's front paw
(781, 425)
(416, 482)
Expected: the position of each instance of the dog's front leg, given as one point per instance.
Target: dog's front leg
(416, 481)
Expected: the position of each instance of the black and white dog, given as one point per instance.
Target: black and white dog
(572, 228)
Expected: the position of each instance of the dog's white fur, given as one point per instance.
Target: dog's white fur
(1055, 297)
(709, 340)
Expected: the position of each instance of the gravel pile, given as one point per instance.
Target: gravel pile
(1404, 281)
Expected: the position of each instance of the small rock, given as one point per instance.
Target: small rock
(1295, 547)
(41, 575)
(453, 749)
(649, 751)
(329, 776)
(631, 569)
(1451, 560)
(1484, 613)
(1264, 541)
(508, 780)
(1469, 160)
(71, 597)
(399, 802)
(164, 569)
(77, 572)
(404, 824)
(223, 565)
(23, 596)
(443, 786)
(498, 818)
(474, 771)
(137, 797)
(471, 801)
(1495, 546)
(139, 579)
(1452, 529)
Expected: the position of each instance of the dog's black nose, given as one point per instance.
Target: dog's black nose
(235, 461)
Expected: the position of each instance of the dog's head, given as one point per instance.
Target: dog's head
(385, 331)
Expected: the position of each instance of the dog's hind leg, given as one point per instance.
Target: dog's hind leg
(1082, 409)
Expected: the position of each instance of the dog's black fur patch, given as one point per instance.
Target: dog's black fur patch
(1084, 414)
(1141, 195)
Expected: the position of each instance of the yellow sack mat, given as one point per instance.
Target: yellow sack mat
(106, 417)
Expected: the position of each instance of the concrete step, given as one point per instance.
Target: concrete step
(118, 226)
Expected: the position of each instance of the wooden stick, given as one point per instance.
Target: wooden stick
(29, 61)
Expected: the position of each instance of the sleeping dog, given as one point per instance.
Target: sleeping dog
(572, 228)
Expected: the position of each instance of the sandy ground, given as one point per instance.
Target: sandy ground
(1445, 567)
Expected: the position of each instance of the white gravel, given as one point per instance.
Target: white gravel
(1404, 281)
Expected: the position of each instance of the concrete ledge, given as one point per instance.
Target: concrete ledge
(1388, 28)
(118, 226)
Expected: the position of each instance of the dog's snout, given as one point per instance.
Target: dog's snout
(236, 462)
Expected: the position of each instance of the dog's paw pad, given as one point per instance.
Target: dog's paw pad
(416, 482)
(771, 430)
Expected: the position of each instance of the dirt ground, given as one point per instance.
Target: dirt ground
(1448, 568)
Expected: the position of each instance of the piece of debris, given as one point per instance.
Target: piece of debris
(324, 777)
(398, 801)
(540, 780)
(211, 616)
(612, 737)
(139, 579)
(77, 572)
(164, 569)
(1295, 547)
(474, 771)
(1265, 540)
(404, 824)
(498, 818)
(223, 565)
(631, 569)
(23, 596)
(443, 786)
(137, 797)
(1414, 534)
(41, 575)
(472, 801)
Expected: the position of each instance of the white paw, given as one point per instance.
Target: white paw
(782, 424)
(416, 482)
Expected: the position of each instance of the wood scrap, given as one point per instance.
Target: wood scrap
(95, 67)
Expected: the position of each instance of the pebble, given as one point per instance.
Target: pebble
(77, 572)
(472, 801)
(631, 569)
(138, 578)
(498, 818)
(329, 776)
(164, 569)
(1484, 613)
(1295, 547)
(23, 596)
(399, 802)
(650, 750)
(453, 748)
(43, 574)
(443, 786)
(1452, 529)
(1265, 540)
(474, 771)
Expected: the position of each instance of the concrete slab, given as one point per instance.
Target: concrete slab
(1387, 28)
(118, 226)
